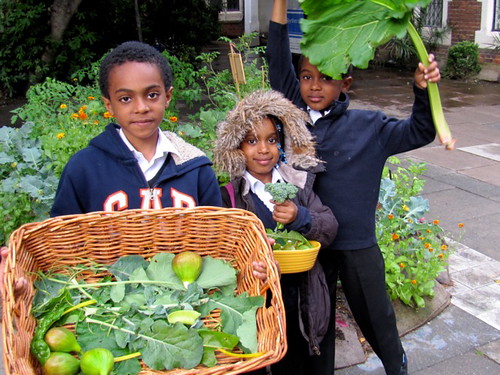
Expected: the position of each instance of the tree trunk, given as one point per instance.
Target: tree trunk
(61, 12)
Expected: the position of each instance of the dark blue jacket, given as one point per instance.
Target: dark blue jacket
(355, 145)
(105, 176)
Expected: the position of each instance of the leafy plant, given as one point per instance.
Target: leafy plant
(415, 249)
(285, 240)
(463, 60)
(353, 29)
(126, 312)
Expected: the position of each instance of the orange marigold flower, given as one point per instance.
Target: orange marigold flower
(74, 115)
(107, 115)
(96, 122)
(60, 135)
(414, 282)
(441, 256)
(428, 230)
(395, 236)
(390, 216)
(435, 222)
(83, 108)
(63, 106)
(431, 249)
(444, 247)
(460, 225)
(402, 265)
(427, 245)
(405, 208)
(82, 115)
(410, 221)
(90, 98)
(173, 118)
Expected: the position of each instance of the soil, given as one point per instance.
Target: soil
(6, 106)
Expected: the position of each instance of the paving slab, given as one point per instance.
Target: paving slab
(439, 347)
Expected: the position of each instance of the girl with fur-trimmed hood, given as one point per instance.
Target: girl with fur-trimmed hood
(265, 139)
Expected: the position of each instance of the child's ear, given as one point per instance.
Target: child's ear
(107, 104)
(168, 97)
(346, 84)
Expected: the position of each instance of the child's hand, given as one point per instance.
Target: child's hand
(285, 212)
(21, 285)
(260, 270)
(430, 73)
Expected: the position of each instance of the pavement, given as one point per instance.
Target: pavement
(463, 186)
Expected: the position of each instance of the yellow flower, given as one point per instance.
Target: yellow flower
(460, 225)
(60, 135)
(96, 122)
(83, 108)
(405, 208)
(90, 98)
(107, 115)
(444, 247)
(173, 118)
(74, 115)
(441, 256)
(435, 222)
(414, 282)
(402, 265)
(410, 221)
(63, 106)
(427, 245)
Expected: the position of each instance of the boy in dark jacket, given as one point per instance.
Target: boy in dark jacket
(133, 164)
(354, 145)
(259, 134)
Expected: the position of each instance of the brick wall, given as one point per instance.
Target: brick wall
(233, 29)
(464, 18)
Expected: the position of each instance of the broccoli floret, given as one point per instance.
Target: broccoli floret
(281, 191)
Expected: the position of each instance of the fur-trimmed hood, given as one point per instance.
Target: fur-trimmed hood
(250, 111)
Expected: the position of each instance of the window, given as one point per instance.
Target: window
(232, 10)
(433, 14)
(496, 16)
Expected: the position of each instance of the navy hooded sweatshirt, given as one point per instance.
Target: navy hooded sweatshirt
(354, 144)
(105, 176)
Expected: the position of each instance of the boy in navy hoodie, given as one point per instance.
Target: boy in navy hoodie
(354, 145)
(132, 164)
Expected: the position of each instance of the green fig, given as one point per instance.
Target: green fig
(98, 361)
(187, 317)
(187, 266)
(60, 363)
(60, 339)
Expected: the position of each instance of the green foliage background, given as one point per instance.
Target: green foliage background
(92, 31)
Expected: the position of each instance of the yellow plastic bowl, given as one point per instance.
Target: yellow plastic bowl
(294, 261)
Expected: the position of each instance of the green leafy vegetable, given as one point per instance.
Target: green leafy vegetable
(127, 312)
(338, 33)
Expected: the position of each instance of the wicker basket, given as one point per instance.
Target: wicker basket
(231, 234)
(293, 261)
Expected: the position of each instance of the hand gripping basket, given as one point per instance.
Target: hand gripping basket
(231, 234)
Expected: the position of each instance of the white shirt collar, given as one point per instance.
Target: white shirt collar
(315, 115)
(257, 187)
(163, 147)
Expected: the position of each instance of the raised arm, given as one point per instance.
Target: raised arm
(279, 11)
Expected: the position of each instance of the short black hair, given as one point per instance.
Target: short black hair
(136, 52)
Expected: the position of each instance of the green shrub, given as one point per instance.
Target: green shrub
(415, 249)
(463, 61)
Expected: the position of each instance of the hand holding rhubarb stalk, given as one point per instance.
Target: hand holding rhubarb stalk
(353, 29)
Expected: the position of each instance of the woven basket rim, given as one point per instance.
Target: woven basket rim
(15, 311)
